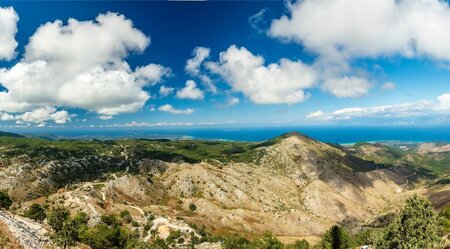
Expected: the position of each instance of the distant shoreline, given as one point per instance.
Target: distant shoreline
(347, 135)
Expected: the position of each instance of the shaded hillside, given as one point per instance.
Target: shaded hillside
(291, 185)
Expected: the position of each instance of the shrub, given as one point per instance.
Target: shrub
(109, 220)
(299, 244)
(267, 242)
(192, 207)
(234, 242)
(35, 212)
(5, 200)
(124, 213)
(81, 218)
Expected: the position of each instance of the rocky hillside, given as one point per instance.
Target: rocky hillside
(292, 185)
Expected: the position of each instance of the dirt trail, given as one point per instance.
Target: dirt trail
(406, 182)
(29, 234)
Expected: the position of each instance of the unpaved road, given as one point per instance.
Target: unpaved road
(30, 235)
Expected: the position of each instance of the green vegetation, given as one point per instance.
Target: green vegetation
(192, 207)
(417, 226)
(424, 165)
(166, 150)
(103, 236)
(5, 200)
(336, 238)
(445, 214)
(35, 212)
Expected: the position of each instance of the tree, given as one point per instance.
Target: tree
(5, 200)
(56, 218)
(104, 237)
(35, 212)
(416, 226)
(336, 238)
(68, 235)
(65, 229)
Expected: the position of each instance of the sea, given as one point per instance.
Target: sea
(331, 134)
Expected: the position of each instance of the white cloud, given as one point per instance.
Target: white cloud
(194, 64)
(199, 55)
(315, 115)
(444, 102)
(367, 28)
(170, 109)
(388, 86)
(421, 108)
(41, 114)
(165, 91)
(352, 87)
(105, 117)
(66, 65)
(6, 116)
(190, 91)
(342, 31)
(276, 83)
(8, 30)
(230, 101)
(152, 73)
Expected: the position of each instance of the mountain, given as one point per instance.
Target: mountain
(292, 185)
(9, 134)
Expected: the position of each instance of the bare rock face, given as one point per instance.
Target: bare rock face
(208, 245)
(295, 187)
(433, 148)
(133, 189)
(300, 187)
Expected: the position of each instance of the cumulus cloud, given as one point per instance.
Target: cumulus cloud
(190, 91)
(421, 108)
(444, 102)
(199, 55)
(152, 74)
(170, 109)
(8, 30)
(165, 91)
(368, 28)
(276, 83)
(42, 114)
(194, 65)
(347, 87)
(341, 31)
(66, 65)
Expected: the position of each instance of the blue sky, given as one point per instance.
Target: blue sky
(348, 68)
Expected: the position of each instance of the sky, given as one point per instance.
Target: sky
(311, 62)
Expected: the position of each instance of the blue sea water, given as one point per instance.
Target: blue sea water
(332, 134)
